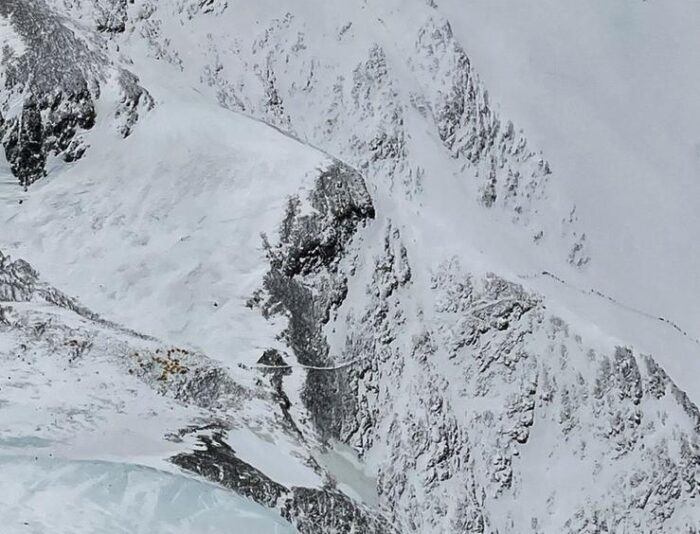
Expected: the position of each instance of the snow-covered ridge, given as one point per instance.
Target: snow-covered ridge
(363, 84)
(330, 225)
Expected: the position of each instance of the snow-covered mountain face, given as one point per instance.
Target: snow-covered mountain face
(605, 90)
(315, 265)
(52, 78)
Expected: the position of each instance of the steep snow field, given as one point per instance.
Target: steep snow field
(161, 232)
(607, 90)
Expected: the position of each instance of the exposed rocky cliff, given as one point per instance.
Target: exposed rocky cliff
(477, 403)
(52, 77)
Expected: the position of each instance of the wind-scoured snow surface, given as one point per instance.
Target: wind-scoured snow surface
(360, 267)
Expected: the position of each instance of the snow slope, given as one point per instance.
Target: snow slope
(379, 87)
(166, 225)
(327, 201)
(87, 404)
(607, 91)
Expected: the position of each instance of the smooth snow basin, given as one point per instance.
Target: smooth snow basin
(79, 497)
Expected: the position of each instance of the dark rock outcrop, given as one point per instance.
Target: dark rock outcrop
(57, 82)
(310, 510)
(305, 282)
